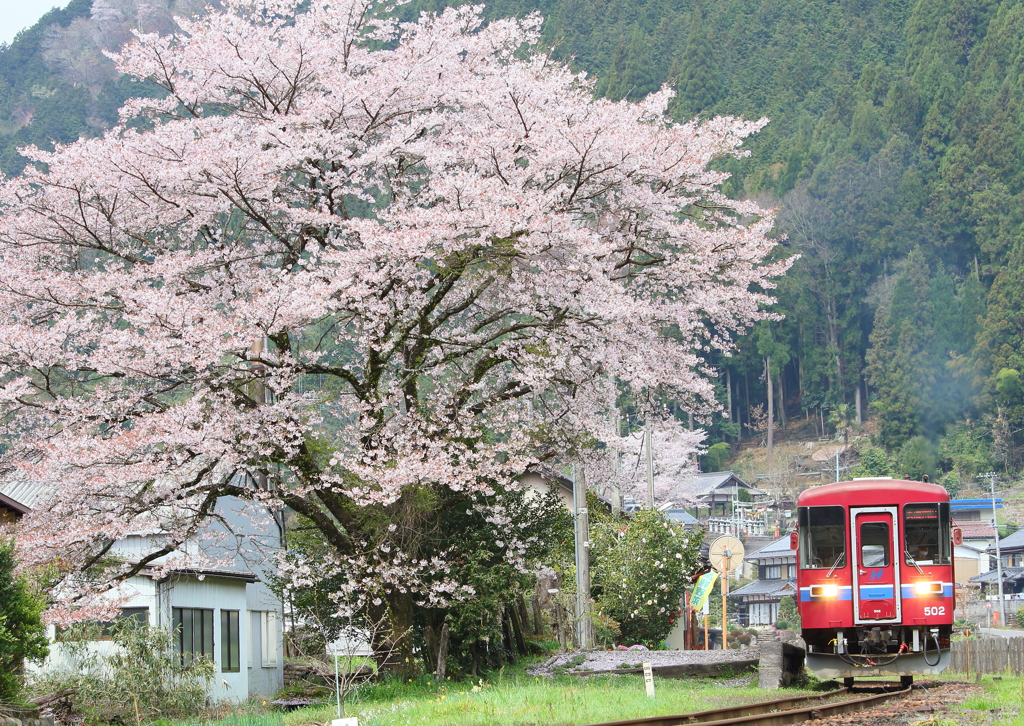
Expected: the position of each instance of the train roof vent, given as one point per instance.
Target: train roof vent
(869, 478)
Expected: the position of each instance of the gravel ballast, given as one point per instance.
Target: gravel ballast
(606, 660)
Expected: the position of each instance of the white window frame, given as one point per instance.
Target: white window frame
(268, 631)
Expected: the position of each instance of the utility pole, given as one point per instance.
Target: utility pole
(584, 627)
(991, 476)
(650, 466)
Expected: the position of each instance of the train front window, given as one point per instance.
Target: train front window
(822, 537)
(874, 544)
(926, 533)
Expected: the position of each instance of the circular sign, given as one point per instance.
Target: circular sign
(726, 553)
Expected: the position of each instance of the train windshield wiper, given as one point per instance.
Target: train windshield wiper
(840, 558)
(912, 561)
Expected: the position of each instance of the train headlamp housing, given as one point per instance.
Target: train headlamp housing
(827, 590)
(928, 588)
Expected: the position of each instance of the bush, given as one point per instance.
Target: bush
(639, 567)
(1019, 617)
(789, 613)
(22, 633)
(139, 680)
(781, 625)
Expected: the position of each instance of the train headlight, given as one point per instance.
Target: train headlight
(928, 588)
(829, 590)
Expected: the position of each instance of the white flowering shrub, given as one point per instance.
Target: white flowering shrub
(641, 566)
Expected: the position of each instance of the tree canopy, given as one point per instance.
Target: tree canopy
(435, 221)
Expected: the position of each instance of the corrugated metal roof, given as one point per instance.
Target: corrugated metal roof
(24, 491)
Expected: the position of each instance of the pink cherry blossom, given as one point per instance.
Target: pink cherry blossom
(353, 259)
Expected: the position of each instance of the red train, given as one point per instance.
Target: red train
(875, 578)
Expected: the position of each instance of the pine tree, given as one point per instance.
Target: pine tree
(698, 84)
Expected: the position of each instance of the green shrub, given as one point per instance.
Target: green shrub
(22, 633)
(781, 625)
(1019, 617)
(639, 567)
(789, 613)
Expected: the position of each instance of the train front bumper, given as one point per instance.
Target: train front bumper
(830, 665)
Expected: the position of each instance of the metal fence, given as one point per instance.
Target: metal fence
(988, 655)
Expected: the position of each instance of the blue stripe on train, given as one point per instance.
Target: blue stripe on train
(845, 593)
(877, 592)
(910, 593)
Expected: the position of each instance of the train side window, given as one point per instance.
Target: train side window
(822, 532)
(926, 533)
(875, 544)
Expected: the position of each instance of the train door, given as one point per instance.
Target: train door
(876, 571)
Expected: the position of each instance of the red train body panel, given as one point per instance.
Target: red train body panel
(875, 578)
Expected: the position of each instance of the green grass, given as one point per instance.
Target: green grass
(240, 719)
(1005, 697)
(519, 699)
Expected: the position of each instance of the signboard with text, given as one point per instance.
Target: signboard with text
(702, 589)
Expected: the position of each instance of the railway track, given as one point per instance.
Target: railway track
(777, 712)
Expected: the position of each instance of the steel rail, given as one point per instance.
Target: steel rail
(777, 712)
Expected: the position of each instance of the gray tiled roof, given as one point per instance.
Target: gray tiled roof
(1014, 540)
(767, 587)
(1010, 574)
(681, 516)
(698, 486)
(778, 548)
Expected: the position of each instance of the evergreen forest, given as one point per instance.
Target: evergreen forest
(895, 154)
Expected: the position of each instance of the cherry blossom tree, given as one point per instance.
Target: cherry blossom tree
(360, 269)
(620, 461)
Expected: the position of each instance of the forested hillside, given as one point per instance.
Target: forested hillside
(895, 151)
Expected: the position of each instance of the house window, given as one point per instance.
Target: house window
(193, 634)
(230, 641)
(268, 631)
(104, 630)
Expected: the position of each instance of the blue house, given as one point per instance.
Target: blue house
(226, 612)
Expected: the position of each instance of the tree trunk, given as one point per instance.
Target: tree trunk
(782, 398)
(524, 616)
(392, 640)
(432, 649)
(746, 386)
(728, 392)
(538, 616)
(517, 630)
(508, 638)
(856, 403)
(442, 652)
(771, 401)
